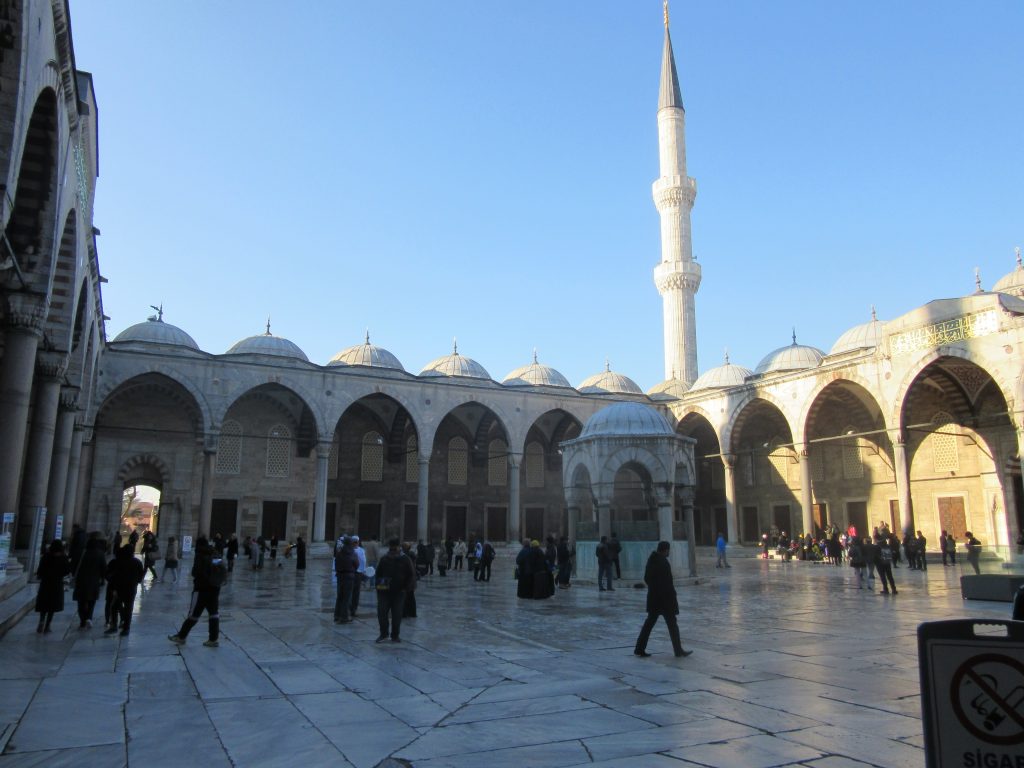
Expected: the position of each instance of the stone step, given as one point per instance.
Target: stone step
(15, 606)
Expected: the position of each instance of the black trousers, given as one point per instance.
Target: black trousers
(885, 574)
(85, 609)
(356, 588)
(673, 631)
(618, 568)
(485, 570)
(343, 603)
(390, 604)
(209, 601)
(125, 601)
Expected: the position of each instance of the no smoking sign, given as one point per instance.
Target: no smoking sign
(972, 693)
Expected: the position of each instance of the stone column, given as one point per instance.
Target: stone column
(206, 493)
(71, 487)
(899, 449)
(61, 457)
(806, 496)
(515, 516)
(49, 372)
(574, 516)
(691, 536)
(24, 328)
(323, 455)
(664, 501)
(83, 489)
(603, 511)
(731, 520)
(423, 498)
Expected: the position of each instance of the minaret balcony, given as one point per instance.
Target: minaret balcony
(677, 275)
(673, 191)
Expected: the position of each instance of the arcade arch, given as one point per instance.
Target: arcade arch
(710, 498)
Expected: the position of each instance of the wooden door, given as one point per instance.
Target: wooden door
(455, 523)
(751, 530)
(368, 522)
(781, 518)
(497, 523)
(857, 516)
(409, 523)
(952, 516)
(223, 517)
(330, 528)
(820, 514)
(275, 520)
(535, 523)
(721, 523)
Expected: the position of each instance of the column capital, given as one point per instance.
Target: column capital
(729, 460)
(51, 365)
(26, 311)
(515, 459)
(211, 442)
(69, 398)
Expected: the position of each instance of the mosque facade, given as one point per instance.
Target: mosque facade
(915, 421)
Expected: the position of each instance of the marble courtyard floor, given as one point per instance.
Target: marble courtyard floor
(792, 665)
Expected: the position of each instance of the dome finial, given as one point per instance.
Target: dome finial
(607, 364)
(268, 327)
(534, 355)
(664, 6)
(874, 315)
(1019, 264)
(160, 310)
(367, 336)
(977, 280)
(794, 335)
(455, 345)
(726, 355)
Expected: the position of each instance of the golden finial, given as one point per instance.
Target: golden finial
(665, 8)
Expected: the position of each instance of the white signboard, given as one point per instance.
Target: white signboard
(186, 544)
(58, 531)
(5, 553)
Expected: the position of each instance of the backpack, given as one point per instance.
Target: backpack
(218, 573)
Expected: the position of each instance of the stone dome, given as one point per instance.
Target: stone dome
(724, 376)
(795, 357)
(608, 382)
(156, 331)
(670, 389)
(268, 344)
(536, 375)
(864, 336)
(455, 365)
(1013, 282)
(631, 419)
(366, 354)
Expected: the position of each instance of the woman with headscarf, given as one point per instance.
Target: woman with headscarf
(53, 567)
(543, 582)
(524, 586)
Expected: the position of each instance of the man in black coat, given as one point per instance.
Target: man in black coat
(396, 577)
(661, 601)
(208, 574)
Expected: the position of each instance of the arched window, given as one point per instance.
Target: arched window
(779, 460)
(945, 455)
(817, 459)
(229, 451)
(279, 451)
(853, 456)
(458, 461)
(497, 463)
(412, 447)
(534, 465)
(372, 465)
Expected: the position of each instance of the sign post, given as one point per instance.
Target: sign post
(5, 545)
(972, 692)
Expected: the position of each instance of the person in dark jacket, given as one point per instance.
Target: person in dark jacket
(564, 563)
(91, 574)
(543, 583)
(300, 554)
(396, 579)
(76, 548)
(208, 573)
(232, 551)
(661, 601)
(409, 606)
(524, 576)
(615, 550)
(126, 573)
(53, 567)
(604, 565)
(346, 567)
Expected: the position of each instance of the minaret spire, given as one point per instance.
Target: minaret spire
(677, 277)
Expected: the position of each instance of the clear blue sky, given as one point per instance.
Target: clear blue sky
(482, 170)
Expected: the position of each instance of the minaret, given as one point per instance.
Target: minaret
(677, 276)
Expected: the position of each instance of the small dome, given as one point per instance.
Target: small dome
(268, 344)
(536, 375)
(455, 365)
(368, 355)
(634, 419)
(1012, 283)
(795, 357)
(864, 336)
(670, 389)
(722, 377)
(156, 331)
(608, 382)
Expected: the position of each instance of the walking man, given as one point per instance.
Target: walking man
(615, 549)
(208, 574)
(661, 601)
(604, 566)
(720, 548)
(346, 567)
(360, 573)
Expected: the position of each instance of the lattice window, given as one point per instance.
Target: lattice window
(229, 450)
(817, 459)
(458, 461)
(779, 460)
(279, 451)
(412, 447)
(853, 457)
(534, 465)
(332, 460)
(945, 454)
(372, 464)
(497, 463)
